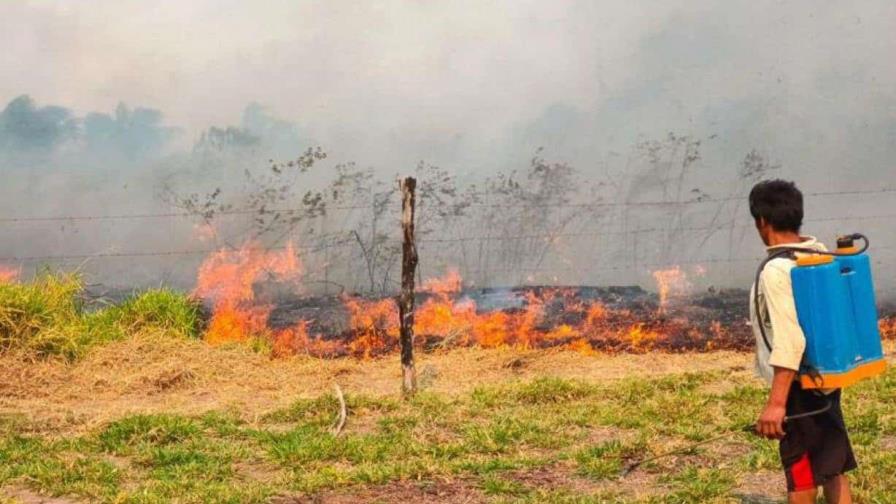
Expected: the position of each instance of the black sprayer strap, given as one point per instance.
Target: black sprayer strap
(756, 304)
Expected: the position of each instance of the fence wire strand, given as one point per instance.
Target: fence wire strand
(112, 254)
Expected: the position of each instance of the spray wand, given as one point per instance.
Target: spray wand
(748, 429)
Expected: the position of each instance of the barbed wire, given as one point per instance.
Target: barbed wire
(645, 267)
(721, 227)
(182, 214)
(344, 243)
(272, 211)
(164, 253)
(423, 240)
(695, 201)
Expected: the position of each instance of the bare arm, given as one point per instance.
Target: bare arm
(771, 421)
(787, 348)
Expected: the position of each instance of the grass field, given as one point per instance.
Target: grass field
(125, 405)
(522, 437)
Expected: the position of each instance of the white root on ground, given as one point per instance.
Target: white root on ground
(340, 418)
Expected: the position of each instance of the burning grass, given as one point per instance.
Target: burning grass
(543, 401)
(241, 288)
(237, 285)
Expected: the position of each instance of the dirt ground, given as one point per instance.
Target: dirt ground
(149, 373)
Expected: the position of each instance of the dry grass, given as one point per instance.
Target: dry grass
(155, 373)
(25, 496)
(152, 419)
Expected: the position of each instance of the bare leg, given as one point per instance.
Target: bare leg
(802, 497)
(837, 491)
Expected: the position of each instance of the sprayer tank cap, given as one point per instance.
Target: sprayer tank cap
(845, 242)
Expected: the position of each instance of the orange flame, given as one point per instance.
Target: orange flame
(448, 285)
(555, 317)
(296, 340)
(227, 279)
(444, 320)
(887, 327)
(670, 282)
(374, 325)
(9, 275)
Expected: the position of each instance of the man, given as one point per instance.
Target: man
(815, 450)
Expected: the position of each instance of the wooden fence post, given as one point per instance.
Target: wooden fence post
(408, 186)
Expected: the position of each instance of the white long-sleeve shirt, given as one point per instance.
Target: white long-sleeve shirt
(778, 310)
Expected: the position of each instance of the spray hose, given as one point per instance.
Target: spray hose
(749, 429)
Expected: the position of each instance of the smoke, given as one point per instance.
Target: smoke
(25, 127)
(472, 87)
(132, 134)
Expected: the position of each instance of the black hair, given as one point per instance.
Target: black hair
(779, 202)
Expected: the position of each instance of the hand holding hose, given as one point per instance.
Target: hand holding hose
(771, 422)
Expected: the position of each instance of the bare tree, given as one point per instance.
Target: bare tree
(526, 212)
(754, 167)
(664, 183)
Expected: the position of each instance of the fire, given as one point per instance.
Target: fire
(887, 327)
(232, 282)
(227, 279)
(374, 325)
(8, 275)
(641, 338)
(448, 285)
(459, 322)
(670, 283)
(549, 317)
(581, 346)
(297, 340)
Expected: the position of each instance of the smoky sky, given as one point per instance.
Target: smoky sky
(474, 84)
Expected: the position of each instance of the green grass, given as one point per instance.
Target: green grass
(163, 309)
(44, 317)
(547, 440)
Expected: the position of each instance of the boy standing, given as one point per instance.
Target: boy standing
(815, 450)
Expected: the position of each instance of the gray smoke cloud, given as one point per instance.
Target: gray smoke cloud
(475, 87)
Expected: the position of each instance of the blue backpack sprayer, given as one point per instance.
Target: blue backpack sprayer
(834, 297)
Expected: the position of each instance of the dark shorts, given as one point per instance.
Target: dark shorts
(815, 449)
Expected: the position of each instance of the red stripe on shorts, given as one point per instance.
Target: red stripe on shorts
(801, 472)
